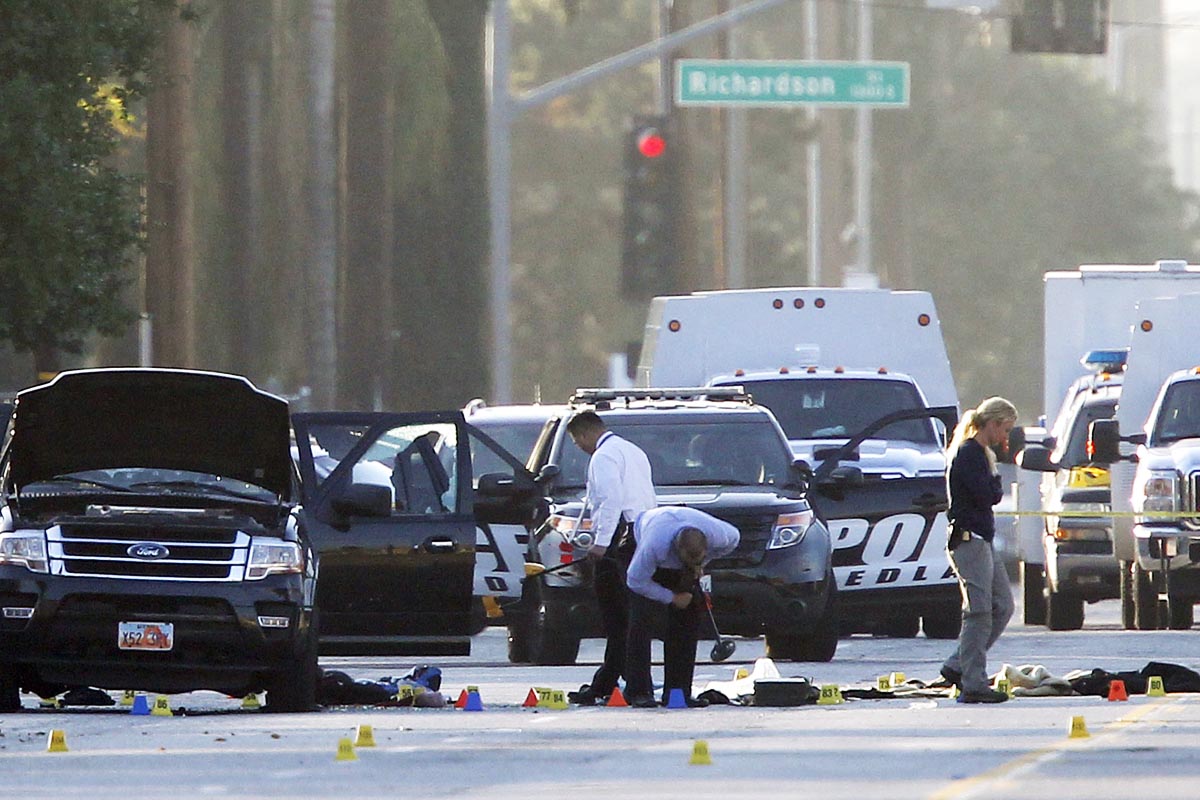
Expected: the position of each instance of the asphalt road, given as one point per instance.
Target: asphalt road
(929, 747)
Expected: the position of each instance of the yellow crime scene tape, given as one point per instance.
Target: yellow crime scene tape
(1149, 514)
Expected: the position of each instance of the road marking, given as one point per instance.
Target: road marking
(968, 787)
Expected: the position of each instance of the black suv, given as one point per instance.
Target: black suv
(711, 449)
(149, 540)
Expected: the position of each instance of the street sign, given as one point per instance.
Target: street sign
(719, 82)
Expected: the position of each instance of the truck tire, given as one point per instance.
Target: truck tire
(1180, 612)
(1033, 584)
(820, 645)
(1145, 600)
(1063, 612)
(904, 626)
(558, 647)
(10, 691)
(524, 618)
(944, 622)
(295, 690)
(1128, 615)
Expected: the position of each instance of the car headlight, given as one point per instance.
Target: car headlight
(565, 524)
(273, 557)
(1157, 491)
(24, 549)
(789, 530)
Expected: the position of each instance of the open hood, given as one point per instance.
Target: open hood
(157, 418)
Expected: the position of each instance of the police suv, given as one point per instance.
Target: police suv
(711, 449)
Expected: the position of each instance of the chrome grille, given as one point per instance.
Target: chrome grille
(193, 553)
(1188, 501)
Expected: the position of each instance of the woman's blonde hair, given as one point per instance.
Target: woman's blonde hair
(993, 408)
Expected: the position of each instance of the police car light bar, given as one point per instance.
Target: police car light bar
(1105, 360)
(672, 393)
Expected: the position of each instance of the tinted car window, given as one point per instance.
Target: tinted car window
(518, 438)
(695, 453)
(838, 409)
(415, 462)
(1074, 451)
(1180, 414)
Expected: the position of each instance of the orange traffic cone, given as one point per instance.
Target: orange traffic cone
(1116, 690)
(461, 702)
(531, 700)
(616, 699)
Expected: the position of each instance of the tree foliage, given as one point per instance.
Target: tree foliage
(69, 221)
(1004, 166)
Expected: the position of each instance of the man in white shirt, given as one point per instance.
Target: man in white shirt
(674, 544)
(619, 488)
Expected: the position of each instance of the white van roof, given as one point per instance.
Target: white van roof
(1163, 341)
(692, 339)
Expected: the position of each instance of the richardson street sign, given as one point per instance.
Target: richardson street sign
(717, 82)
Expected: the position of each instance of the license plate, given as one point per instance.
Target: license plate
(145, 635)
(706, 582)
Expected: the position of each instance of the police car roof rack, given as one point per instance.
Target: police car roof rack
(606, 397)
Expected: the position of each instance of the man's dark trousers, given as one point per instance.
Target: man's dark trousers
(679, 638)
(612, 598)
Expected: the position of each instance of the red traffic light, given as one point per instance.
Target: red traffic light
(651, 143)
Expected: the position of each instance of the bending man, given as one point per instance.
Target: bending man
(673, 545)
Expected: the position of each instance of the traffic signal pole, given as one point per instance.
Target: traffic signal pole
(862, 175)
(503, 110)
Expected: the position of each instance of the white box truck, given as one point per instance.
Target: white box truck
(856, 378)
(1086, 309)
(1156, 533)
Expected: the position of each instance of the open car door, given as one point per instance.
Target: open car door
(389, 504)
(508, 503)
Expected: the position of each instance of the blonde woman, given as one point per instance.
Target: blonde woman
(974, 487)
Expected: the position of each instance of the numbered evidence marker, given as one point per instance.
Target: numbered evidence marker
(831, 695)
(884, 683)
(364, 736)
(1078, 729)
(1155, 687)
(551, 698)
(162, 706)
(345, 751)
(57, 742)
(700, 754)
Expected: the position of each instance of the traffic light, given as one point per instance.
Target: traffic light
(1060, 26)
(650, 212)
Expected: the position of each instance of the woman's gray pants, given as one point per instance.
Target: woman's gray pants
(987, 607)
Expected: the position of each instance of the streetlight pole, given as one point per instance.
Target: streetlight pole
(499, 134)
(862, 183)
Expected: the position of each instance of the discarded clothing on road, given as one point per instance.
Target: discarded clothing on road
(1176, 678)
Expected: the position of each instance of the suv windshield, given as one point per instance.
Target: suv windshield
(838, 409)
(685, 453)
(145, 480)
(518, 438)
(1179, 417)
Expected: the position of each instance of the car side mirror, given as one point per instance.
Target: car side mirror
(835, 484)
(499, 484)
(363, 500)
(1037, 458)
(1104, 441)
(800, 473)
(548, 473)
(848, 477)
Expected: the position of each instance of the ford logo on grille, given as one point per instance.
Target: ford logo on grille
(148, 550)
